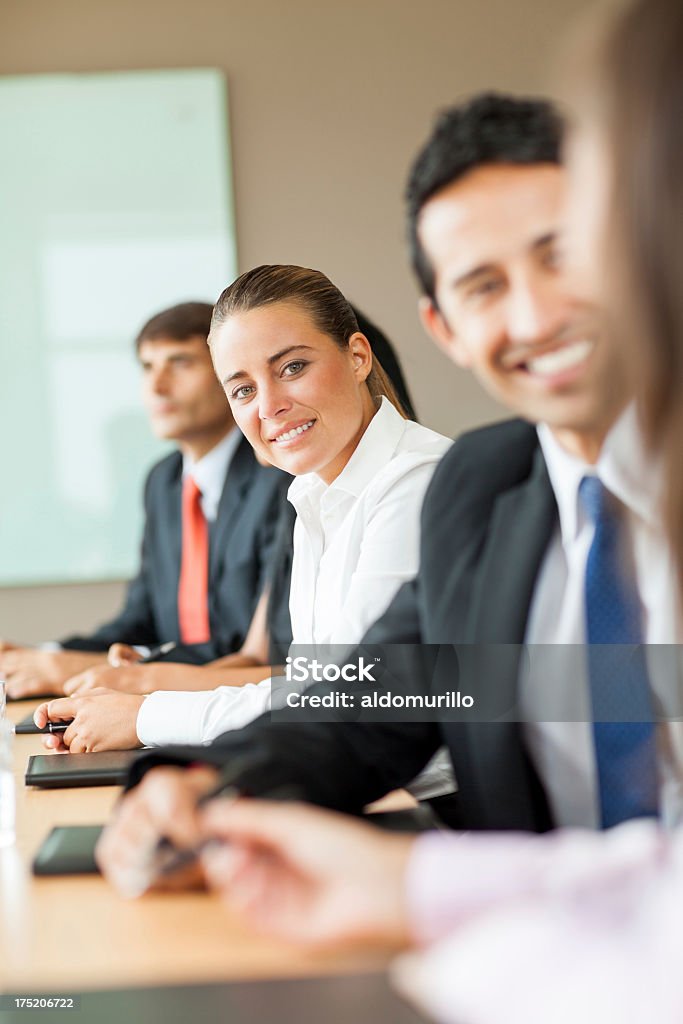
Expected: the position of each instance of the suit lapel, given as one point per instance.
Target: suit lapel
(522, 523)
(521, 527)
(171, 516)
(238, 478)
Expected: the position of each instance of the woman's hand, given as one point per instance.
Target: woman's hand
(102, 720)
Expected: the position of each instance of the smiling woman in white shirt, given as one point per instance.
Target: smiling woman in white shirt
(305, 390)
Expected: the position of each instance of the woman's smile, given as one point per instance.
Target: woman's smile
(294, 434)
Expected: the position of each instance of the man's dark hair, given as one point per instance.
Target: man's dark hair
(490, 128)
(180, 323)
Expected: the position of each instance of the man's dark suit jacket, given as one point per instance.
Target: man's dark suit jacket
(240, 549)
(487, 520)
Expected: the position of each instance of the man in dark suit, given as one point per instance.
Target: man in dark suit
(498, 561)
(210, 511)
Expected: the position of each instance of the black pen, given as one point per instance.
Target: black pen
(57, 726)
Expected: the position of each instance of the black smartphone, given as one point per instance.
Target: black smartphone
(68, 850)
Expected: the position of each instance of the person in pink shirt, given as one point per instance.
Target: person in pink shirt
(510, 928)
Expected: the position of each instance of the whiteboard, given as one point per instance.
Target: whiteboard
(115, 202)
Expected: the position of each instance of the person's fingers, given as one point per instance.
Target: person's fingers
(130, 829)
(22, 684)
(10, 661)
(115, 655)
(77, 684)
(240, 874)
(26, 683)
(224, 863)
(15, 689)
(269, 894)
(75, 740)
(61, 709)
(127, 848)
(70, 734)
(104, 720)
(250, 890)
(162, 806)
(54, 744)
(257, 821)
(172, 803)
(41, 716)
(122, 654)
(101, 678)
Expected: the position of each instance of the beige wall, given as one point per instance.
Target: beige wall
(328, 103)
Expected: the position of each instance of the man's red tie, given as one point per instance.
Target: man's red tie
(193, 588)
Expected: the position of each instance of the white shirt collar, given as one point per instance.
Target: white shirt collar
(624, 467)
(210, 471)
(375, 448)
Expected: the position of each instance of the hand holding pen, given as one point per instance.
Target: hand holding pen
(121, 672)
(161, 809)
(156, 836)
(121, 655)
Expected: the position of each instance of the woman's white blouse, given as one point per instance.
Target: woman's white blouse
(356, 542)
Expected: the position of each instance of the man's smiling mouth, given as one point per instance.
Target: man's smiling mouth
(550, 364)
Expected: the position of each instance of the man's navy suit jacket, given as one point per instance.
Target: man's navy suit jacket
(241, 540)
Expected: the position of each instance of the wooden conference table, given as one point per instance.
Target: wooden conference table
(75, 933)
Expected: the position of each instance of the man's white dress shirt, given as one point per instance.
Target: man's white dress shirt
(356, 542)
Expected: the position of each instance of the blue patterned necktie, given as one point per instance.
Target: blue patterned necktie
(623, 728)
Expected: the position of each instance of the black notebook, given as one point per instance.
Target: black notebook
(54, 771)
